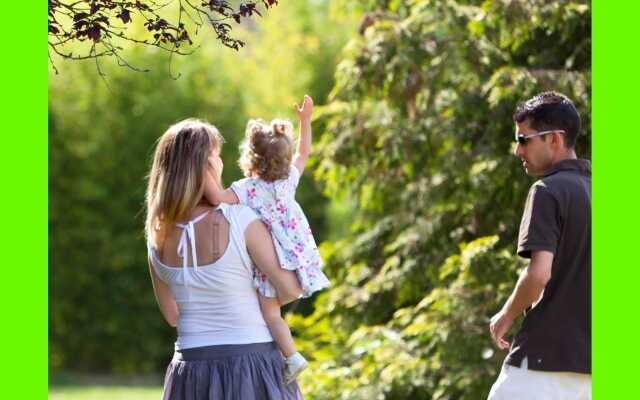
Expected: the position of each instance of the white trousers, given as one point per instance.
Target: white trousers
(515, 383)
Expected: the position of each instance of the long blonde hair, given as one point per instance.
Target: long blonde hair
(176, 180)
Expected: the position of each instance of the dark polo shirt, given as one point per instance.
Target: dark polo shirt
(556, 334)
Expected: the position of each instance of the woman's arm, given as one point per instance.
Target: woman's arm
(263, 254)
(164, 297)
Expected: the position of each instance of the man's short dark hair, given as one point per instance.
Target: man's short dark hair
(548, 111)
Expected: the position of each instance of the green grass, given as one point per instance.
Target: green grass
(104, 393)
(76, 386)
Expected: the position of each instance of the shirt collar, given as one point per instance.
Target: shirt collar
(578, 165)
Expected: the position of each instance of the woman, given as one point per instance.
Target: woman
(200, 260)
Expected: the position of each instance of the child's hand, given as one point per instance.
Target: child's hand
(215, 167)
(210, 186)
(304, 111)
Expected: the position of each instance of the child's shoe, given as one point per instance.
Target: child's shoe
(294, 364)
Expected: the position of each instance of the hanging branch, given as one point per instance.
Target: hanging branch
(105, 22)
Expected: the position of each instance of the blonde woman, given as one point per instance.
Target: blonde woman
(201, 262)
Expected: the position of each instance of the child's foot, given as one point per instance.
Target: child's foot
(294, 364)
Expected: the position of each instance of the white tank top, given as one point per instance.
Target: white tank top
(217, 302)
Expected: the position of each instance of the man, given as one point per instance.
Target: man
(550, 356)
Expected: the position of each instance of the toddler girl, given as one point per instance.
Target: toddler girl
(272, 175)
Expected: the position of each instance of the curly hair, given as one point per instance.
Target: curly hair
(267, 150)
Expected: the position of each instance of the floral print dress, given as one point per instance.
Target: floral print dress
(275, 203)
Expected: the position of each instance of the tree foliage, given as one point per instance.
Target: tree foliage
(418, 138)
(106, 24)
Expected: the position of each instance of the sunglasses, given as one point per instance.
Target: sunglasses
(522, 139)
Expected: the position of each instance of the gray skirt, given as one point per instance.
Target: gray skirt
(229, 372)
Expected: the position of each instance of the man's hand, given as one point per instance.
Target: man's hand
(304, 111)
(499, 326)
(528, 291)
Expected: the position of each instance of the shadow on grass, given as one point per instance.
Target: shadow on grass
(75, 379)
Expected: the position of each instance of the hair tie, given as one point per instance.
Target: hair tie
(279, 129)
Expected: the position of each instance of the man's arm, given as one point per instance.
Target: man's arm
(528, 290)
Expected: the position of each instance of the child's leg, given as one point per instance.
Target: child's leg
(279, 329)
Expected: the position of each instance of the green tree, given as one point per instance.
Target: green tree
(418, 139)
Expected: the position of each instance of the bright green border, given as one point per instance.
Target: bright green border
(616, 162)
(23, 166)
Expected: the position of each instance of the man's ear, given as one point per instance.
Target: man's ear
(558, 139)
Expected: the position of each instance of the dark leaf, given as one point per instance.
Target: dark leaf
(94, 32)
(142, 6)
(80, 16)
(81, 24)
(125, 16)
(103, 18)
(247, 10)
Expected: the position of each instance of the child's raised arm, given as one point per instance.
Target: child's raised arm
(304, 144)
